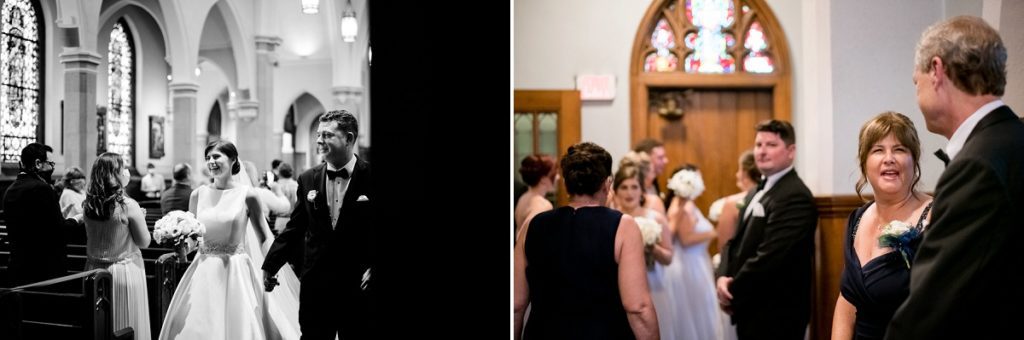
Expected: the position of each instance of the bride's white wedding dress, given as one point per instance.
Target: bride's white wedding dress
(221, 294)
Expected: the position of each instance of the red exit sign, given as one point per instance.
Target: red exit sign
(596, 87)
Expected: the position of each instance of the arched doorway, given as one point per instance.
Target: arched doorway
(702, 74)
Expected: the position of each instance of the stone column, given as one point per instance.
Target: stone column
(256, 139)
(187, 149)
(80, 129)
(350, 98)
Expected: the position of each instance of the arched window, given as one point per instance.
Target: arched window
(120, 117)
(709, 31)
(21, 121)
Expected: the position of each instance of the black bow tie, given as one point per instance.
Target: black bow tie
(943, 156)
(333, 174)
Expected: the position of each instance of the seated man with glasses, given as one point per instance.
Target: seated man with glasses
(37, 231)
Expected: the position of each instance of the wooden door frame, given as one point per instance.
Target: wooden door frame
(566, 105)
(779, 82)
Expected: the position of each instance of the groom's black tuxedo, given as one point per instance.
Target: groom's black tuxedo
(770, 261)
(966, 281)
(335, 259)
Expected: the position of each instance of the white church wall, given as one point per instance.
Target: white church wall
(1010, 28)
(872, 66)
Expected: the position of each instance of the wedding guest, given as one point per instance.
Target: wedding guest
(876, 277)
(153, 183)
(37, 231)
(585, 262)
(690, 278)
(288, 187)
(656, 150)
(116, 228)
(628, 196)
(726, 210)
(964, 282)
(540, 174)
(643, 161)
(765, 274)
(176, 197)
(74, 192)
(272, 202)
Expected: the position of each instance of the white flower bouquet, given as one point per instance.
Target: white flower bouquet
(650, 230)
(178, 228)
(687, 184)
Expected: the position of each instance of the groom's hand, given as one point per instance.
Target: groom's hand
(269, 281)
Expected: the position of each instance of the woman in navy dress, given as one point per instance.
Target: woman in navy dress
(581, 266)
(876, 278)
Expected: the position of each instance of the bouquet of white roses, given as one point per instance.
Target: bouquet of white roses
(898, 235)
(686, 183)
(651, 232)
(177, 228)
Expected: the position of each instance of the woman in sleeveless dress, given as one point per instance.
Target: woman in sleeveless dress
(629, 199)
(582, 265)
(221, 294)
(690, 276)
(876, 277)
(115, 229)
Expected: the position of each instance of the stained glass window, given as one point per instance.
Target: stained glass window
(120, 120)
(757, 61)
(20, 95)
(710, 44)
(664, 41)
(710, 31)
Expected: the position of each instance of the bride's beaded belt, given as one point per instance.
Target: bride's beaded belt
(214, 248)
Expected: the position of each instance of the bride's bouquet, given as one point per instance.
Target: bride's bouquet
(178, 229)
(651, 232)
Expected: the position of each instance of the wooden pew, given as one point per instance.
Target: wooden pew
(76, 306)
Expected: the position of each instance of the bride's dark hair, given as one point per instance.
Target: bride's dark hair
(104, 187)
(228, 149)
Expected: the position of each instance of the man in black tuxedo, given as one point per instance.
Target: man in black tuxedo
(332, 223)
(765, 276)
(38, 231)
(966, 279)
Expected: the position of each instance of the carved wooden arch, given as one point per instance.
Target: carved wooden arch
(779, 81)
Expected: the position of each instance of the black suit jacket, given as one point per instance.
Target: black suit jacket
(770, 259)
(175, 198)
(967, 279)
(341, 254)
(38, 232)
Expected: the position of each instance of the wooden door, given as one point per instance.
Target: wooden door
(545, 122)
(715, 128)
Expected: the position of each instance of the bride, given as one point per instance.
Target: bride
(221, 294)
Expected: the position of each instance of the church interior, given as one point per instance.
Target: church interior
(699, 75)
(156, 82)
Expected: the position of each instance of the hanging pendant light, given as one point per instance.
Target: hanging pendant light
(349, 25)
(310, 6)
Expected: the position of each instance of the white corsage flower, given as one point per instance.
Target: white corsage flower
(311, 195)
(898, 235)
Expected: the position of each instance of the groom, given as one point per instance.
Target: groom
(331, 225)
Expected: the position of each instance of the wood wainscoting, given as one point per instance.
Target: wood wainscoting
(833, 211)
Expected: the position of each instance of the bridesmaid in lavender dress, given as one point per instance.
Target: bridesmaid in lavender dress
(116, 229)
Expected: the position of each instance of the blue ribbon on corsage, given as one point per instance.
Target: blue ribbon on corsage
(898, 235)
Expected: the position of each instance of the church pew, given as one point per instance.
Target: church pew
(84, 309)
